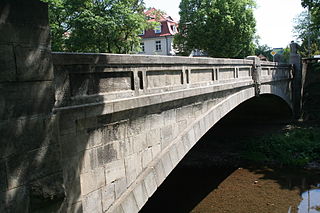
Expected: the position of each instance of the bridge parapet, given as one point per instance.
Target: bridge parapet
(109, 78)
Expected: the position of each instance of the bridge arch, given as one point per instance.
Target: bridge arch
(151, 178)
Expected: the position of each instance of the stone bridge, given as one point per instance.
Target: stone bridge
(125, 121)
(101, 132)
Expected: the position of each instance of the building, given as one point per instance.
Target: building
(158, 41)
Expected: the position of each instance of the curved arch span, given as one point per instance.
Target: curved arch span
(162, 165)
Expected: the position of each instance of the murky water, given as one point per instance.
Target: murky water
(237, 190)
(310, 201)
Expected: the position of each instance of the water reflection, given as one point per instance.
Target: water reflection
(310, 201)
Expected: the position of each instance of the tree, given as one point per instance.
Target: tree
(222, 28)
(96, 25)
(307, 28)
(307, 34)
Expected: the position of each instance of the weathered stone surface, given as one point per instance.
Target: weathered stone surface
(150, 183)
(25, 99)
(19, 136)
(92, 180)
(129, 205)
(108, 153)
(146, 157)
(159, 173)
(140, 195)
(114, 170)
(7, 63)
(92, 202)
(133, 167)
(71, 179)
(33, 64)
(47, 193)
(15, 200)
(108, 196)
(3, 176)
(33, 165)
(120, 187)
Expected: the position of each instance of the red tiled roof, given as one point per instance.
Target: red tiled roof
(166, 24)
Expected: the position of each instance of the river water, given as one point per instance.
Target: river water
(243, 190)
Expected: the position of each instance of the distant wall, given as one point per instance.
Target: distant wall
(30, 173)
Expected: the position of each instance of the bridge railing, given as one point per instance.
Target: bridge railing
(93, 78)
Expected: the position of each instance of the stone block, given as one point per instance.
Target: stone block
(120, 187)
(153, 137)
(19, 136)
(7, 64)
(154, 121)
(117, 209)
(92, 202)
(167, 163)
(114, 171)
(92, 180)
(174, 155)
(108, 196)
(71, 178)
(181, 150)
(25, 99)
(75, 208)
(3, 177)
(33, 165)
(47, 193)
(73, 144)
(140, 194)
(136, 126)
(150, 183)
(146, 157)
(15, 200)
(26, 34)
(129, 205)
(159, 173)
(33, 64)
(110, 133)
(155, 149)
(108, 153)
(127, 147)
(133, 167)
(166, 134)
(169, 116)
(139, 142)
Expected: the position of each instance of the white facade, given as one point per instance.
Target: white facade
(157, 46)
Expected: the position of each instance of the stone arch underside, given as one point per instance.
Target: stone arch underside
(147, 182)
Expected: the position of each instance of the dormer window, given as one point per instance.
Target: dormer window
(174, 28)
(141, 33)
(157, 29)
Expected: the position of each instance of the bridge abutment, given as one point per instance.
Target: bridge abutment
(30, 172)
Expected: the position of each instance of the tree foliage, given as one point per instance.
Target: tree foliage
(96, 25)
(222, 28)
(307, 28)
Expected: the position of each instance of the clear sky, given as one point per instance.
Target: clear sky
(274, 18)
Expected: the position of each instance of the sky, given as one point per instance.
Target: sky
(274, 18)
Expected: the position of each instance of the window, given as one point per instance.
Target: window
(142, 46)
(158, 46)
(173, 28)
(157, 29)
(141, 33)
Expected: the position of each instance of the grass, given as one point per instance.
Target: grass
(295, 147)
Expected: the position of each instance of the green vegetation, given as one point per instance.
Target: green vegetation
(295, 147)
(222, 28)
(307, 28)
(96, 25)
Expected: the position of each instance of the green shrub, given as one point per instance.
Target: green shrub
(294, 147)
